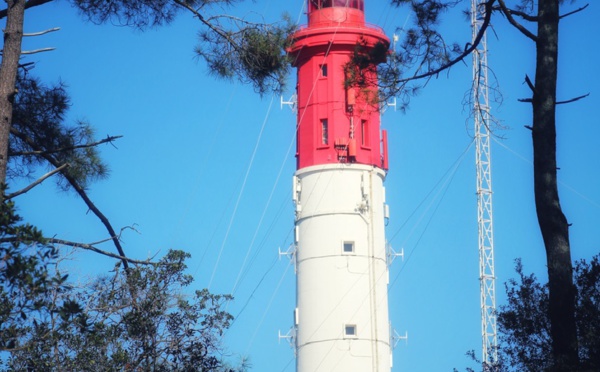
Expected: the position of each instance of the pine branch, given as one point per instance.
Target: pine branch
(208, 24)
(575, 11)
(37, 182)
(29, 4)
(508, 13)
(466, 52)
(87, 246)
(529, 83)
(91, 247)
(50, 159)
(108, 139)
(35, 51)
(572, 99)
(532, 87)
(23, 52)
(41, 32)
(523, 15)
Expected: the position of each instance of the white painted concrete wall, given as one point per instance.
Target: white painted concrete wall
(337, 204)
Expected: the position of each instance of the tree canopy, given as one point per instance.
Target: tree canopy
(424, 52)
(27, 156)
(136, 319)
(524, 322)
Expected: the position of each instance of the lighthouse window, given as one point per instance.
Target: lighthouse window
(350, 330)
(324, 132)
(348, 247)
(323, 70)
(318, 4)
(364, 129)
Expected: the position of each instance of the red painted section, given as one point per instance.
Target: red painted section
(336, 124)
(384, 143)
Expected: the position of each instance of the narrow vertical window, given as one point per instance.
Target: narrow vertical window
(324, 70)
(314, 4)
(324, 132)
(364, 129)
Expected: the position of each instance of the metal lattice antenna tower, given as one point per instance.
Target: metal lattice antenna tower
(481, 114)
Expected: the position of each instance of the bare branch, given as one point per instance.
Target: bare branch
(525, 16)
(466, 52)
(108, 139)
(507, 12)
(572, 99)
(29, 4)
(42, 32)
(119, 236)
(49, 158)
(37, 182)
(575, 11)
(208, 24)
(26, 66)
(90, 247)
(41, 50)
(529, 83)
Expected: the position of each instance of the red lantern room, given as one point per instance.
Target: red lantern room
(337, 123)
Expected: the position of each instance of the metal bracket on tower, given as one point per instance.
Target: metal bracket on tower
(384, 105)
(392, 254)
(290, 252)
(397, 337)
(290, 336)
(292, 102)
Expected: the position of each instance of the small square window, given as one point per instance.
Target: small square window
(350, 330)
(348, 247)
(323, 70)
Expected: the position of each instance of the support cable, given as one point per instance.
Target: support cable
(241, 193)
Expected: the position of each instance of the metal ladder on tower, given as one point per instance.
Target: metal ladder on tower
(481, 114)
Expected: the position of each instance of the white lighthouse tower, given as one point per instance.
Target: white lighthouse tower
(341, 318)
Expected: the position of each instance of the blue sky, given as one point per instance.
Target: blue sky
(205, 166)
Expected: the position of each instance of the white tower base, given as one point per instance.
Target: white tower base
(342, 272)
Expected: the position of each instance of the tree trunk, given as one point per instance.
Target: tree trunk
(13, 34)
(552, 221)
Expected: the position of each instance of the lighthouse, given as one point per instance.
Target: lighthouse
(341, 318)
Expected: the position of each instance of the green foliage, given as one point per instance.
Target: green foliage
(263, 55)
(361, 70)
(140, 13)
(39, 114)
(422, 52)
(523, 323)
(134, 320)
(587, 311)
(525, 344)
(232, 47)
(253, 53)
(27, 280)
